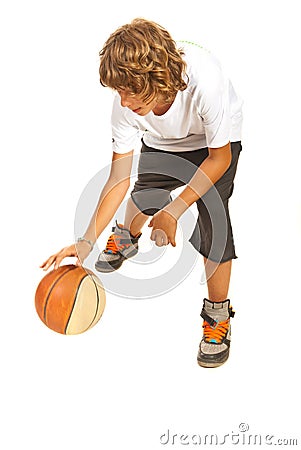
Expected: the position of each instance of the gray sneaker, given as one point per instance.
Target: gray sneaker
(215, 345)
(121, 245)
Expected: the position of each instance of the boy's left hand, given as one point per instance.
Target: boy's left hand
(164, 228)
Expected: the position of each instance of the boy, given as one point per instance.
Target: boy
(190, 117)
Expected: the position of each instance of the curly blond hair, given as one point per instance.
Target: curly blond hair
(142, 58)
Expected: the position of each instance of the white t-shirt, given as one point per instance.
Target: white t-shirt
(206, 114)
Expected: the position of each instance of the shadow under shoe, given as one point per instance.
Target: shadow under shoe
(121, 245)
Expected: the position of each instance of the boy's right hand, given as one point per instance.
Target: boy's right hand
(80, 250)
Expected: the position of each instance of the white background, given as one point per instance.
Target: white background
(133, 376)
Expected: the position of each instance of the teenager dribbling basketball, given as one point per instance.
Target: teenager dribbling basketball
(177, 97)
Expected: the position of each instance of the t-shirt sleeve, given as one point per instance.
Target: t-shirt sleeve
(214, 108)
(125, 135)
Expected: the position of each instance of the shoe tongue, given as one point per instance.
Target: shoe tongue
(219, 311)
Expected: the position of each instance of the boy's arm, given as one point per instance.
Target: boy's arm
(111, 196)
(209, 172)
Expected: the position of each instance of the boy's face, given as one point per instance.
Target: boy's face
(134, 103)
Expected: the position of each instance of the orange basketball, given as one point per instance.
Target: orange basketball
(70, 299)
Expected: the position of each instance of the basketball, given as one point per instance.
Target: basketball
(70, 299)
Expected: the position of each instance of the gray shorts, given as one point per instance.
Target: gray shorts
(160, 172)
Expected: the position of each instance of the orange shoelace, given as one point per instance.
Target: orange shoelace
(216, 334)
(114, 244)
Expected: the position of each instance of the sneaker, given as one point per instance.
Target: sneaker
(215, 345)
(121, 245)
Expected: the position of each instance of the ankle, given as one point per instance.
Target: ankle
(217, 298)
(135, 232)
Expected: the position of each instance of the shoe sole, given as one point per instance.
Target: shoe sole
(211, 365)
(105, 269)
(108, 268)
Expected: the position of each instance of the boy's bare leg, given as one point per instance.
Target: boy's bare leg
(134, 218)
(215, 345)
(218, 279)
